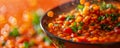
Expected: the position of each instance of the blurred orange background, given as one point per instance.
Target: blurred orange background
(17, 8)
(12, 7)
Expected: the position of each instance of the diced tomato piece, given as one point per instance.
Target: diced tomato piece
(73, 35)
(68, 30)
(62, 17)
(117, 30)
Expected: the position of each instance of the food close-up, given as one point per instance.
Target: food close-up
(20, 23)
(59, 24)
(94, 23)
(84, 24)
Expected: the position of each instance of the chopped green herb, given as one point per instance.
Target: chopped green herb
(109, 6)
(69, 17)
(38, 29)
(26, 44)
(108, 28)
(81, 23)
(36, 22)
(79, 27)
(80, 7)
(36, 19)
(31, 43)
(118, 24)
(106, 15)
(100, 18)
(114, 17)
(103, 26)
(112, 14)
(74, 28)
(103, 6)
(75, 24)
(46, 39)
(14, 32)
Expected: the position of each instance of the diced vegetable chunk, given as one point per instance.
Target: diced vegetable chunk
(50, 25)
(101, 18)
(117, 30)
(80, 7)
(26, 44)
(14, 32)
(68, 30)
(50, 13)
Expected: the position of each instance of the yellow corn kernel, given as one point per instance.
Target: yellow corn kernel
(75, 39)
(87, 3)
(68, 37)
(71, 24)
(86, 19)
(82, 1)
(60, 35)
(77, 14)
(78, 19)
(50, 25)
(85, 10)
(94, 39)
(50, 13)
(95, 7)
(94, 17)
(66, 23)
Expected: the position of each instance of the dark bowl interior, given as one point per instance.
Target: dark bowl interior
(67, 43)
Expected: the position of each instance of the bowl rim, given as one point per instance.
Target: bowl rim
(50, 34)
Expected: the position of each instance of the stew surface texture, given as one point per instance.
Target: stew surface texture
(91, 22)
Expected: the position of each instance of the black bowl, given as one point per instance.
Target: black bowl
(62, 43)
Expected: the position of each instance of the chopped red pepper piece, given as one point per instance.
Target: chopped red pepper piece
(62, 17)
(68, 30)
(117, 30)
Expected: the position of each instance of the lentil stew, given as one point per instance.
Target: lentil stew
(87, 22)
